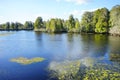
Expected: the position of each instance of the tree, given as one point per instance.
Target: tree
(71, 23)
(87, 22)
(28, 25)
(12, 26)
(48, 25)
(77, 26)
(100, 19)
(59, 26)
(18, 26)
(114, 21)
(38, 23)
(52, 25)
(7, 26)
(3, 27)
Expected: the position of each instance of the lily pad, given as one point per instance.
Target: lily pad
(26, 61)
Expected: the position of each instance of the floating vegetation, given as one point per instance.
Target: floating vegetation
(84, 69)
(115, 57)
(87, 61)
(102, 71)
(26, 61)
(64, 70)
(6, 33)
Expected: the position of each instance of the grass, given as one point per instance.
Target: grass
(26, 61)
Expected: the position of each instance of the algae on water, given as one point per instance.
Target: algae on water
(25, 61)
(64, 70)
(84, 69)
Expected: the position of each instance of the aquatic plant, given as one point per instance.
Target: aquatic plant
(84, 69)
(6, 33)
(26, 61)
(115, 57)
(65, 70)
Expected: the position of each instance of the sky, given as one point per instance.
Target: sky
(29, 10)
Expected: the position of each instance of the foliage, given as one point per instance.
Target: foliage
(54, 25)
(28, 25)
(87, 22)
(71, 23)
(114, 20)
(100, 20)
(38, 23)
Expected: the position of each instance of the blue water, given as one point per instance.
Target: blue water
(52, 47)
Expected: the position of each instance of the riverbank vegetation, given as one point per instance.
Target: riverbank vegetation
(99, 21)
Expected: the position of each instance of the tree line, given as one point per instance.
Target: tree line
(17, 26)
(99, 21)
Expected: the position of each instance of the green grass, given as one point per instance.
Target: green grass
(26, 61)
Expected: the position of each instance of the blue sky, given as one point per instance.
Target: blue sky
(29, 10)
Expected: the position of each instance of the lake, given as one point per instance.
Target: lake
(67, 56)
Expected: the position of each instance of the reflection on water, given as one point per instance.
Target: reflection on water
(91, 53)
(68, 56)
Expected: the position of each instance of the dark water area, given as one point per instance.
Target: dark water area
(57, 49)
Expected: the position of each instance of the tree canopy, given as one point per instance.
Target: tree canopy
(114, 21)
(38, 23)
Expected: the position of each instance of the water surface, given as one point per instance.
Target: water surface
(57, 49)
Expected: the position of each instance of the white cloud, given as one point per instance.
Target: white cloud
(25, 17)
(79, 2)
(58, 0)
(78, 13)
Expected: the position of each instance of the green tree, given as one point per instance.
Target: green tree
(59, 26)
(87, 22)
(114, 21)
(71, 23)
(18, 26)
(38, 23)
(7, 26)
(3, 27)
(100, 19)
(77, 26)
(28, 25)
(48, 25)
(12, 26)
(52, 25)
